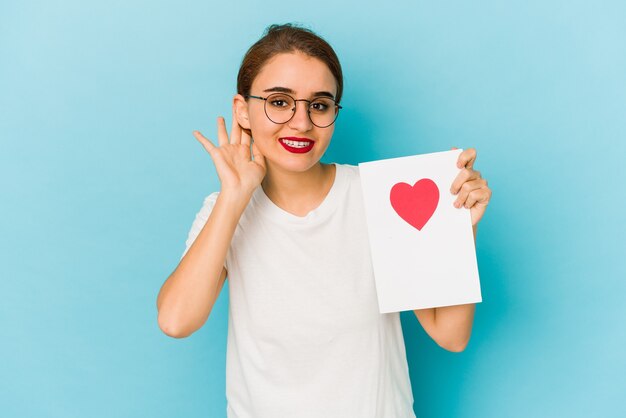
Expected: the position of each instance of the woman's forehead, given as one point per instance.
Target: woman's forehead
(295, 73)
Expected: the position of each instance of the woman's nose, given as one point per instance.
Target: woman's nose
(301, 120)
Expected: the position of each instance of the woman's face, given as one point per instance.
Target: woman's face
(302, 77)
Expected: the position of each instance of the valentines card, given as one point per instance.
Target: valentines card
(423, 251)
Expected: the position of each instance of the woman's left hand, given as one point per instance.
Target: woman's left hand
(471, 188)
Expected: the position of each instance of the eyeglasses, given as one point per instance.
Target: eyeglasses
(280, 108)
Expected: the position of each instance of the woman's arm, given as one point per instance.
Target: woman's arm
(448, 326)
(188, 295)
(451, 326)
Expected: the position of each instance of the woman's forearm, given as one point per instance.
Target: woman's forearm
(188, 295)
(448, 326)
(453, 325)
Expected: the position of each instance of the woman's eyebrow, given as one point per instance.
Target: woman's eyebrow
(279, 90)
(290, 91)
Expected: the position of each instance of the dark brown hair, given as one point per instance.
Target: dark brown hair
(284, 39)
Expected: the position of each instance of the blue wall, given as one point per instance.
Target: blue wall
(100, 179)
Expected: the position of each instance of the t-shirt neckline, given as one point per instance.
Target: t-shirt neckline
(325, 209)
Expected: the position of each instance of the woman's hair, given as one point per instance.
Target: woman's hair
(285, 39)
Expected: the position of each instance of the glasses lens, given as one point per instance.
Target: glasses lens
(279, 107)
(323, 112)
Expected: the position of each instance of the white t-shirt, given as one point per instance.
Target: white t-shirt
(305, 337)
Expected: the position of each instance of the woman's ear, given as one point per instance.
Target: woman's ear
(240, 110)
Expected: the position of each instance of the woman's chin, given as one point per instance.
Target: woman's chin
(299, 164)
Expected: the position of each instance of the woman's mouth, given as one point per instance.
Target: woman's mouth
(297, 145)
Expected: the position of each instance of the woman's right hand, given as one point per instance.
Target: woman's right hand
(235, 168)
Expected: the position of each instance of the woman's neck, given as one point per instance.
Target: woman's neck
(298, 193)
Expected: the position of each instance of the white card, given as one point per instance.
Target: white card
(423, 250)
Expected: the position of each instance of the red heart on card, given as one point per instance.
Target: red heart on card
(415, 204)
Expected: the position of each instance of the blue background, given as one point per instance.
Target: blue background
(100, 179)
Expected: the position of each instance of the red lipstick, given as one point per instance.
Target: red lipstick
(297, 145)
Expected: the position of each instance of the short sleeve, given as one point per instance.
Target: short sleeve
(201, 218)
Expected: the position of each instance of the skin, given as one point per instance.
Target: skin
(298, 183)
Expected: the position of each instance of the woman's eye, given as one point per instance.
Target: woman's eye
(280, 102)
(319, 106)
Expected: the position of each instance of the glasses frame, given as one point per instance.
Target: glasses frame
(293, 111)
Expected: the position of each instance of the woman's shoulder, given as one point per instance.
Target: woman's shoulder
(348, 168)
(348, 180)
(349, 171)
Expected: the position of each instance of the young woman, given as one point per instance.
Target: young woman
(305, 338)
